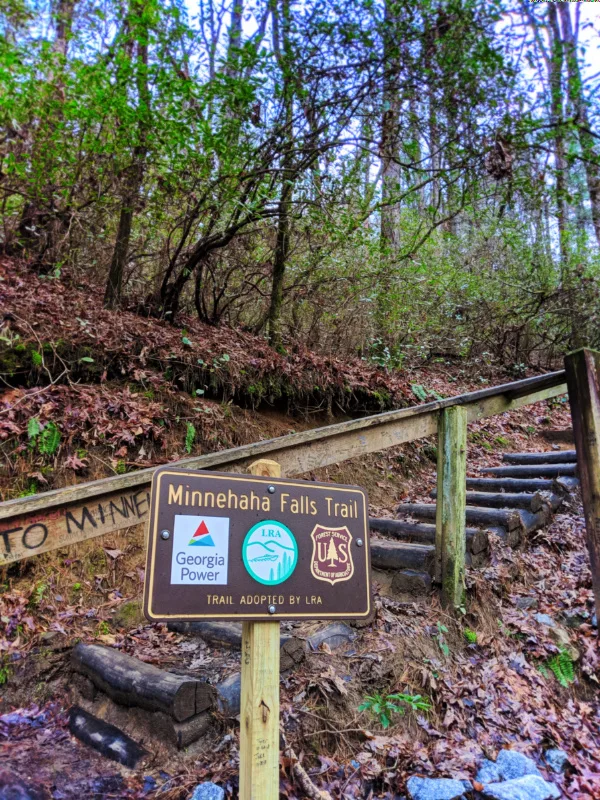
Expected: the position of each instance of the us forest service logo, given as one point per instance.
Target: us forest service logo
(331, 559)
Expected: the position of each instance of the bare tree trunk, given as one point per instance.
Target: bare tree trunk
(390, 139)
(591, 159)
(133, 181)
(557, 119)
(282, 245)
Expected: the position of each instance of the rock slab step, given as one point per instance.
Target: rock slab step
(509, 764)
(529, 787)
(207, 791)
(436, 788)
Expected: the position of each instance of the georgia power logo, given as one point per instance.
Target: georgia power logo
(270, 552)
(200, 550)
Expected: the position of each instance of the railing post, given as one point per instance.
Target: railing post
(450, 537)
(583, 381)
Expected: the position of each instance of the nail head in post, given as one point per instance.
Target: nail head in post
(271, 490)
(272, 609)
(359, 542)
(165, 535)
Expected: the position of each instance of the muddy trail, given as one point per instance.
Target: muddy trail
(519, 669)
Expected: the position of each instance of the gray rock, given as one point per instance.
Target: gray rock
(545, 619)
(334, 635)
(489, 772)
(574, 619)
(556, 759)
(529, 787)
(207, 791)
(228, 695)
(512, 764)
(434, 788)
(525, 603)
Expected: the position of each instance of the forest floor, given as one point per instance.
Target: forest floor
(488, 674)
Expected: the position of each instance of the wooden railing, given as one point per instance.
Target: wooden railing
(39, 523)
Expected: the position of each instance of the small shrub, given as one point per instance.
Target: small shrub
(190, 437)
(384, 706)
(49, 439)
(561, 665)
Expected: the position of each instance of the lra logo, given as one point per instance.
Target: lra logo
(331, 557)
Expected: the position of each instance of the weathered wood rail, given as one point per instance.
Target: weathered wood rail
(40, 523)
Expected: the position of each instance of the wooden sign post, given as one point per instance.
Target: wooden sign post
(259, 704)
(257, 548)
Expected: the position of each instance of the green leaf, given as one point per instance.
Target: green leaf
(186, 341)
(419, 391)
(49, 439)
(33, 427)
(190, 437)
(87, 360)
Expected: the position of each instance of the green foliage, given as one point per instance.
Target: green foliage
(36, 358)
(561, 665)
(33, 430)
(384, 706)
(423, 394)
(121, 467)
(441, 638)
(190, 437)
(5, 670)
(470, 636)
(38, 594)
(103, 628)
(49, 439)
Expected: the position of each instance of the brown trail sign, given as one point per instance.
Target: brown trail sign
(223, 546)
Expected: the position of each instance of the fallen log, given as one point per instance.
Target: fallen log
(477, 539)
(106, 739)
(532, 471)
(229, 634)
(530, 501)
(505, 518)
(390, 555)
(131, 682)
(554, 457)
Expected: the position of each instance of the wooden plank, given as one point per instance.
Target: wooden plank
(259, 704)
(451, 505)
(583, 378)
(33, 525)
